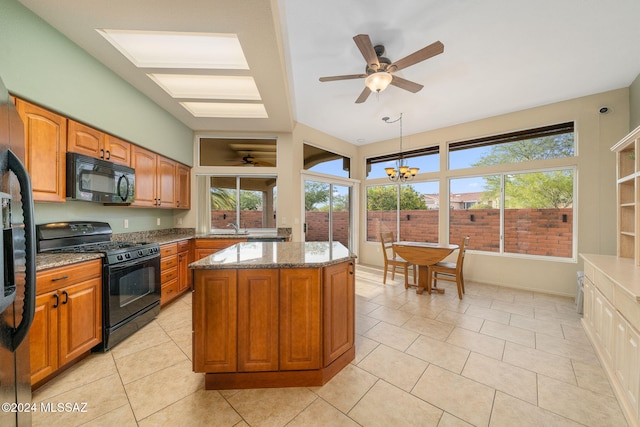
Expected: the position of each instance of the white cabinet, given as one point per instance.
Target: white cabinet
(627, 361)
(612, 323)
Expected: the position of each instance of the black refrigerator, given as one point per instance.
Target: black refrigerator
(17, 268)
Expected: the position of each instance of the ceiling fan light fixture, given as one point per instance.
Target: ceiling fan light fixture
(378, 81)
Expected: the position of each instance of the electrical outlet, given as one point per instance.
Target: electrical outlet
(157, 221)
(179, 221)
(126, 223)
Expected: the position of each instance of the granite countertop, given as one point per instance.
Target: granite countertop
(46, 261)
(275, 255)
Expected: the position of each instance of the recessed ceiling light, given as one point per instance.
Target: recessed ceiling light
(226, 110)
(208, 87)
(168, 49)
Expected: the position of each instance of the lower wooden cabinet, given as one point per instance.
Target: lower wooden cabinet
(174, 270)
(275, 327)
(205, 247)
(68, 316)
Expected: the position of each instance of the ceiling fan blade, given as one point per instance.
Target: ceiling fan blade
(345, 77)
(366, 48)
(406, 84)
(364, 95)
(433, 49)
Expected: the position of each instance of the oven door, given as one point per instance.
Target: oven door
(132, 287)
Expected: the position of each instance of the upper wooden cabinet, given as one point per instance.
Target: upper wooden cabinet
(155, 179)
(45, 151)
(94, 143)
(183, 186)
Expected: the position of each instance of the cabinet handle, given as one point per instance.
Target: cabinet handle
(59, 278)
(66, 297)
(108, 154)
(178, 204)
(102, 153)
(57, 301)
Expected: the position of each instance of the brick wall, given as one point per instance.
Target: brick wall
(527, 231)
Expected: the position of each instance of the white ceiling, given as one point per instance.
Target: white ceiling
(500, 55)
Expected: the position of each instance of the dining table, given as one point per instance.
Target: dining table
(424, 254)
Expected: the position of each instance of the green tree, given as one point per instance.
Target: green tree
(250, 200)
(531, 190)
(315, 193)
(222, 199)
(384, 198)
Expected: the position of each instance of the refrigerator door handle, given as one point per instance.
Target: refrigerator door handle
(21, 331)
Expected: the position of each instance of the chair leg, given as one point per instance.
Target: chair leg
(393, 272)
(415, 275)
(384, 278)
(459, 284)
(462, 281)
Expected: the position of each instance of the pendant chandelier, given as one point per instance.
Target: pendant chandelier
(402, 172)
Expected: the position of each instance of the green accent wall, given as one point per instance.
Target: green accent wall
(40, 64)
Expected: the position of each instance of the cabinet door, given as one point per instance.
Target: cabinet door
(603, 324)
(80, 318)
(215, 326)
(85, 140)
(118, 151)
(183, 186)
(627, 361)
(257, 320)
(165, 186)
(43, 337)
(184, 275)
(144, 162)
(339, 310)
(300, 307)
(45, 151)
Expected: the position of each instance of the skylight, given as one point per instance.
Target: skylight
(208, 87)
(168, 49)
(226, 110)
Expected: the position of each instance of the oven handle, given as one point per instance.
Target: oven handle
(137, 261)
(126, 180)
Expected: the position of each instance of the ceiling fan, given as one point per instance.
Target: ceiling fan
(379, 70)
(250, 160)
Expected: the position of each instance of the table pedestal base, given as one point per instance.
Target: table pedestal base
(424, 282)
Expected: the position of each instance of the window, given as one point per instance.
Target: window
(320, 160)
(517, 210)
(427, 159)
(417, 218)
(248, 202)
(549, 142)
(249, 152)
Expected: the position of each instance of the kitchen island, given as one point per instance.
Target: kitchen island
(273, 314)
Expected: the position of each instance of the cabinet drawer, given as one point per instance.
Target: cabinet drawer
(55, 278)
(183, 246)
(589, 271)
(168, 262)
(628, 307)
(169, 249)
(168, 275)
(168, 291)
(217, 243)
(604, 284)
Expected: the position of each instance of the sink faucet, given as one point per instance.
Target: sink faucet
(235, 226)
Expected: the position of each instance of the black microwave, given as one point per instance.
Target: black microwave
(95, 180)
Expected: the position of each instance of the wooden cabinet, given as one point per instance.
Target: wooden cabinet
(183, 186)
(627, 363)
(45, 151)
(174, 270)
(273, 327)
(628, 184)
(91, 142)
(184, 258)
(68, 317)
(205, 247)
(155, 179)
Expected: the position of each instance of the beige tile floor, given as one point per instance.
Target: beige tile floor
(499, 357)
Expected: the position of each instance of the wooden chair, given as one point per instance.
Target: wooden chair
(449, 271)
(391, 259)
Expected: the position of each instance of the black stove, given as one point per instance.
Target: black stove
(81, 237)
(130, 278)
